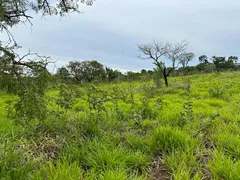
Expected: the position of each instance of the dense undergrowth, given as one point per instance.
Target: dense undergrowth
(189, 130)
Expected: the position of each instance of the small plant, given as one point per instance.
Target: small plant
(96, 99)
(65, 100)
(187, 113)
(187, 86)
(206, 129)
(30, 106)
(157, 75)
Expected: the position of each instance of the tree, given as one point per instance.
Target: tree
(87, 71)
(132, 76)
(203, 59)
(231, 62)
(63, 74)
(150, 72)
(205, 65)
(14, 12)
(185, 58)
(157, 50)
(30, 70)
(233, 59)
(144, 72)
(112, 74)
(201, 66)
(219, 62)
(209, 67)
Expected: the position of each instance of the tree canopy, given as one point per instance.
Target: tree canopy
(87, 71)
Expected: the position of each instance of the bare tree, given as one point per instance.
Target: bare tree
(185, 58)
(157, 50)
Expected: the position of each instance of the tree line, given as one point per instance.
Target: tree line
(82, 72)
(160, 54)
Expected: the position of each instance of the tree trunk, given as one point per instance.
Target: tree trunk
(165, 80)
(165, 75)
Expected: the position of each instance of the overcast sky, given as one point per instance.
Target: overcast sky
(109, 30)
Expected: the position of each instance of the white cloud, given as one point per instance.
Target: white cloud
(109, 30)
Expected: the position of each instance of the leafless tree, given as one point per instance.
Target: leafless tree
(185, 58)
(157, 50)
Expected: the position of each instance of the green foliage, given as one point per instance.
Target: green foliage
(65, 99)
(112, 74)
(203, 59)
(187, 113)
(87, 71)
(63, 74)
(31, 104)
(157, 76)
(96, 99)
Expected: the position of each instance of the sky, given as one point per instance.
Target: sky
(109, 31)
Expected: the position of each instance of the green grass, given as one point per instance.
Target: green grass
(128, 131)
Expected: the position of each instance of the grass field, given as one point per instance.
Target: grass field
(190, 130)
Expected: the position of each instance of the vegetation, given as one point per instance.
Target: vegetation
(87, 121)
(189, 130)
